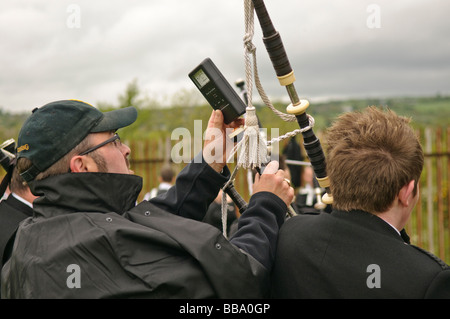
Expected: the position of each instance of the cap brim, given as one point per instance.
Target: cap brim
(116, 119)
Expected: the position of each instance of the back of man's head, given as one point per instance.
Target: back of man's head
(167, 174)
(371, 155)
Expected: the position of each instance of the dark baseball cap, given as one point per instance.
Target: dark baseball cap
(54, 129)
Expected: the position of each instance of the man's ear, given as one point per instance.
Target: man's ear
(405, 196)
(79, 164)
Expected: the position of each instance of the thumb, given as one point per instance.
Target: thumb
(271, 168)
(216, 119)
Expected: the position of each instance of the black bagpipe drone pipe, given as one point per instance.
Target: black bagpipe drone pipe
(285, 74)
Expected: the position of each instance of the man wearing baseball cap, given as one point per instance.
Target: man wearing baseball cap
(88, 239)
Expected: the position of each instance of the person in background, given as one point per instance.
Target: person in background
(14, 209)
(166, 180)
(309, 196)
(293, 151)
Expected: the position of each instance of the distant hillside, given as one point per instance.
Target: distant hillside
(10, 124)
(155, 121)
(424, 111)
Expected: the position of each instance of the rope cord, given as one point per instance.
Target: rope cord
(224, 205)
(250, 50)
(252, 150)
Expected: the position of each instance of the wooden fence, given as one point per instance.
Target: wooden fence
(428, 227)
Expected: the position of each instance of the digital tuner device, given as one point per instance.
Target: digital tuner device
(217, 91)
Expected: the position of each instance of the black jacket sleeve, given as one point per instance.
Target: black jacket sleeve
(258, 227)
(196, 186)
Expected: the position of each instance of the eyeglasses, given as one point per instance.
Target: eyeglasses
(112, 139)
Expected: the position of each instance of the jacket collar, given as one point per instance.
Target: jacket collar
(85, 192)
(372, 223)
(19, 205)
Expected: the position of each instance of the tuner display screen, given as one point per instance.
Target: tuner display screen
(201, 78)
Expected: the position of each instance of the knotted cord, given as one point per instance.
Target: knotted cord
(252, 151)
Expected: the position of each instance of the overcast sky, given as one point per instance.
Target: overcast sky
(90, 50)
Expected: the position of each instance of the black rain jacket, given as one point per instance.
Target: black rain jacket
(87, 239)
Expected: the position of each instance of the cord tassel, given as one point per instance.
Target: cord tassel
(252, 150)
